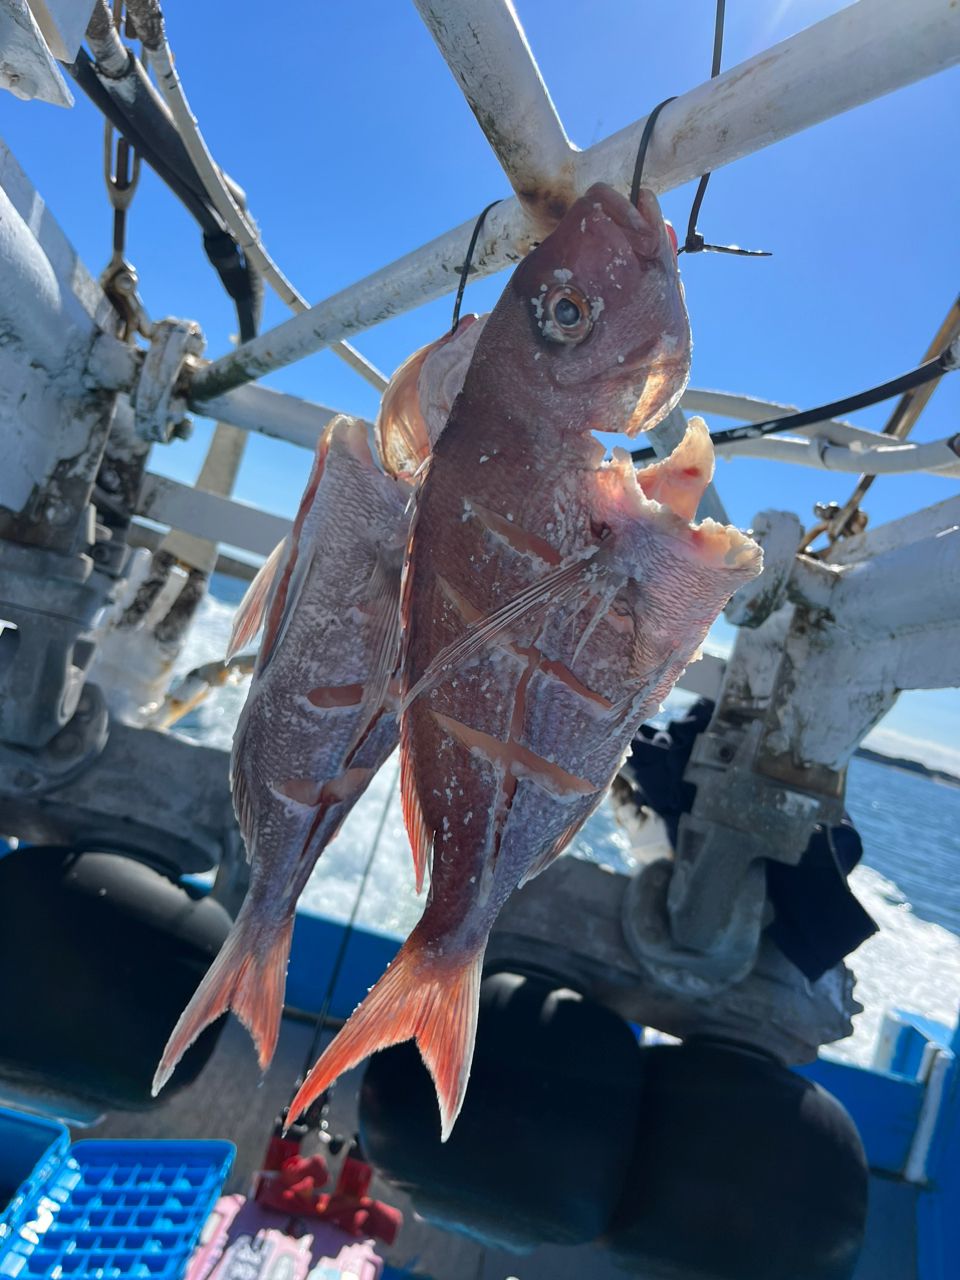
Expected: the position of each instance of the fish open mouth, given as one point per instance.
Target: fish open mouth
(668, 493)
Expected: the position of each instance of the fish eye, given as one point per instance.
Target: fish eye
(566, 314)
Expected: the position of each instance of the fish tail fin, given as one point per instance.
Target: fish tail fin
(249, 977)
(428, 1000)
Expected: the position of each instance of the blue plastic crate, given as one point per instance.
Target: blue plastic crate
(112, 1210)
(31, 1150)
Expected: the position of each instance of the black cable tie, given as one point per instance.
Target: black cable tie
(642, 149)
(694, 242)
(465, 270)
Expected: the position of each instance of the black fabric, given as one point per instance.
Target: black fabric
(817, 920)
(99, 954)
(741, 1169)
(542, 1144)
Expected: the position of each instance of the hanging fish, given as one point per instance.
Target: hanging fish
(319, 720)
(551, 601)
(417, 401)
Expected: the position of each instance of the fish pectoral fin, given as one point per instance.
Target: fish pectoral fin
(277, 626)
(248, 619)
(531, 604)
(383, 605)
(430, 1000)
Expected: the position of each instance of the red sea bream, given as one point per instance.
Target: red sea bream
(319, 720)
(551, 600)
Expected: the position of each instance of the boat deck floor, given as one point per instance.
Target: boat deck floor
(229, 1100)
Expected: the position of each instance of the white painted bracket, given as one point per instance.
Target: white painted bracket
(27, 66)
(63, 23)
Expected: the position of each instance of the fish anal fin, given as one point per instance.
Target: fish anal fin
(421, 998)
(249, 977)
(248, 618)
(554, 851)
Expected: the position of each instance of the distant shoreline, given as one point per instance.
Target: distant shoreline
(908, 766)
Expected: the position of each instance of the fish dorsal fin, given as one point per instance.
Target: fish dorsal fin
(282, 610)
(419, 833)
(248, 619)
(243, 808)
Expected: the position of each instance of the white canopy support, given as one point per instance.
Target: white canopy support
(851, 57)
(210, 516)
(487, 51)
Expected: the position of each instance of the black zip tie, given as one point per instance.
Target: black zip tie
(642, 149)
(466, 265)
(945, 362)
(694, 242)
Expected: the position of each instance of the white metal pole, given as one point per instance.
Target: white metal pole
(271, 413)
(864, 51)
(487, 51)
(938, 457)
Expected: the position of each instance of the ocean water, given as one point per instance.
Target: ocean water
(908, 879)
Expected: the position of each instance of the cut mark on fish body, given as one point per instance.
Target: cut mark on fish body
(336, 695)
(514, 535)
(518, 759)
(552, 667)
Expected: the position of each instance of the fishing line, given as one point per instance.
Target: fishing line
(945, 362)
(465, 271)
(345, 938)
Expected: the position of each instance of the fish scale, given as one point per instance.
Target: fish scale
(551, 600)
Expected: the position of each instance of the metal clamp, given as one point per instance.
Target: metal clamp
(159, 403)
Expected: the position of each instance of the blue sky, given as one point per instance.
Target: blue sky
(354, 145)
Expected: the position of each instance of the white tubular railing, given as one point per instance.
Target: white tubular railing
(826, 446)
(487, 51)
(236, 219)
(272, 413)
(864, 51)
(881, 458)
(210, 516)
